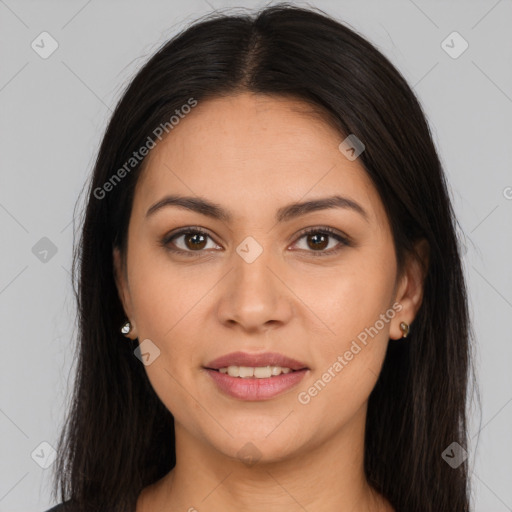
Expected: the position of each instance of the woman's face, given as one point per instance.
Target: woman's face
(253, 282)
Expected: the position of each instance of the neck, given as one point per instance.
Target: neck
(328, 477)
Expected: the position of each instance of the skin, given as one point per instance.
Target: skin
(253, 154)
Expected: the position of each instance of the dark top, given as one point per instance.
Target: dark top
(62, 507)
(67, 506)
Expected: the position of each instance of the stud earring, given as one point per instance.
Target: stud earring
(126, 328)
(405, 329)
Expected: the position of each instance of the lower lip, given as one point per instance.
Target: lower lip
(256, 389)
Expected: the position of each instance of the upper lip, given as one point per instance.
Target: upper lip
(254, 360)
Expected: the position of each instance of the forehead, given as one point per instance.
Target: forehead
(251, 150)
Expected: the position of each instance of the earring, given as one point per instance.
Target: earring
(126, 328)
(405, 329)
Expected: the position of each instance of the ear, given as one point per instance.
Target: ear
(123, 289)
(410, 288)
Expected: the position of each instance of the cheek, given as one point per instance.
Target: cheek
(348, 300)
(351, 343)
(165, 295)
(167, 302)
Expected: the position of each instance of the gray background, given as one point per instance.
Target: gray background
(53, 114)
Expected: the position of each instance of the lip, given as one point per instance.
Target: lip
(255, 389)
(254, 360)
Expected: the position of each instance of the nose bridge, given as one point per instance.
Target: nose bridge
(254, 296)
(251, 264)
(252, 275)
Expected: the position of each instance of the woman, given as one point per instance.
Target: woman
(271, 302)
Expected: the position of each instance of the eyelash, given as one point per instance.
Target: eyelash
(325, 230)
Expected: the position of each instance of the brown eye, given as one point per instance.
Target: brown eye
(186, 241)
(318, 240)
(190, 240)
(195, 240)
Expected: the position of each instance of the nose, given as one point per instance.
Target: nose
(254, 296)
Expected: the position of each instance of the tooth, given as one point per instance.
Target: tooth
(263, 372)
(246, 371)
(233, 371)
(260, 372)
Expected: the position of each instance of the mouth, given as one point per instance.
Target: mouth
(252, 376)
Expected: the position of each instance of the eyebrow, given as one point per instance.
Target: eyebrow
(286, 213)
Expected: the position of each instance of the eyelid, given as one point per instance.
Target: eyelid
(166, 239)
(324, 229)
(343, 239)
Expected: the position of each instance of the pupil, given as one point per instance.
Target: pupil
(322, 245)
(194, 244)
